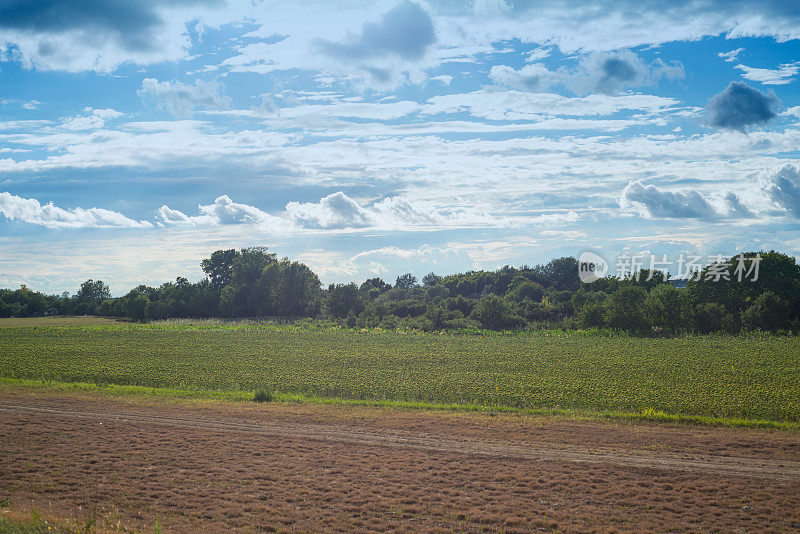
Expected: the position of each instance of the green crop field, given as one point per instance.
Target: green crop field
(726, 377)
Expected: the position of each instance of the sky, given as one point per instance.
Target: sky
(376, 138)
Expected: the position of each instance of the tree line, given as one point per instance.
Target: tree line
(253, 282)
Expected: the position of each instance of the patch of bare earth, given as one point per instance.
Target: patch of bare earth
(214, 466)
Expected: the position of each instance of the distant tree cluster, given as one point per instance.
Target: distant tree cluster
(253, 282)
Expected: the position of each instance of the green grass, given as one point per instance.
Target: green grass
(33, 526)
(741, 380)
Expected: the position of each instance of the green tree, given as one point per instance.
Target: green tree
(90, 295)
(495, 313)
(342, 299)
(406, 281)
(219, 267)
(668, 309)
(527, 290)
(768, 313)
(624, 309)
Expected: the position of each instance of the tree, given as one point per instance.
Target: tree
(406, 281)
(527, 290)
(297, 289)
(667, 309)
(342, 299)
(90, 295)
(712, 317)
(624, 309)
(495, 313)
(560, 273)
(250, 291)
(219, 266)
(137, 307)
(768, 313)
(375, 283)
(431, 279)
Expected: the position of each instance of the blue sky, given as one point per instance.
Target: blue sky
(375, 138)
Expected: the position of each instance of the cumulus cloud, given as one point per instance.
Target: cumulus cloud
(740, 106)
(182, 99)
(654, 203)
(780, 76)
(735, 208)
(406, 31)
(604, 72)
(333, 211)
(30, 210)
(223, 211)
(783, 188)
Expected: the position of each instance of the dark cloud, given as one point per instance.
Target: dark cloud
(615, 72)
(406, 30)
(653, 202)
(740, 106)
(783, 188)
(130, 22)
(619, 69)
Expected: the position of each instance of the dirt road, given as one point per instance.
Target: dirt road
(291, 467)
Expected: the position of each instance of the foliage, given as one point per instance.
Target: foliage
(754, 376)
(262, 395)
(254, 282)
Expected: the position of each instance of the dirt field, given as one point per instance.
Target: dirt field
(146, 464)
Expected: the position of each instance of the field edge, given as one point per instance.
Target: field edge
(647, 415)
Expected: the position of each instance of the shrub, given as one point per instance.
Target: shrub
(495, 313)
(527, 290)
(624, 309)
(768, 312)
(262, 395)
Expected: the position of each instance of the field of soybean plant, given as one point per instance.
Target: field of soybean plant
(755, 377)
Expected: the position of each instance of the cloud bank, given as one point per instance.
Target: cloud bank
(30, 210)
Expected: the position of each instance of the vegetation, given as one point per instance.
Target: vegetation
(253, 282)
(262, 395)
(749, 377)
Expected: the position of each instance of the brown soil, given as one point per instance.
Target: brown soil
(185, 466)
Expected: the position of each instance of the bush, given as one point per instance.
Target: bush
(624, 309)
(712, 317)
(667, 309)
(593, 315)
(495, 313)
(768, 312)
(527, 290)
(262, 395)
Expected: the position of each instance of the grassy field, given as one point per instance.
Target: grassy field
(724, 377)
(55, 321)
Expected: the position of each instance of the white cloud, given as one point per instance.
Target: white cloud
(604, 72)
(181, 99)
(223, 211)
(731, 55)
(654, 203)
(444, 78)
(333, 211)
(780, 76)
(520, 105)
(101, 36)
(783, 188)
(30, 210)
(93, 120)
